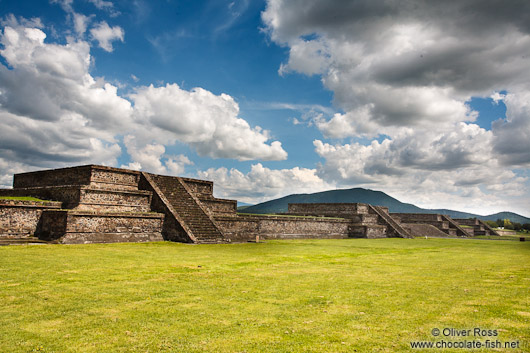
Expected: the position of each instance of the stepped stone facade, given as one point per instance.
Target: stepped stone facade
(94, 203)
(443, 222)
(475, 226)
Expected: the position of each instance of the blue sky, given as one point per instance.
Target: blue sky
(269, 98)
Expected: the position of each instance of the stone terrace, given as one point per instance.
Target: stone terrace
(102, 204)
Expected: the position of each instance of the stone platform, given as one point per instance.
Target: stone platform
(443, 222)
(92, 203)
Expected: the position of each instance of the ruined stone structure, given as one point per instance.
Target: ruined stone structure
(20, 219)
(474, 226)
(443, 222)
(367, 221)
(101, 204)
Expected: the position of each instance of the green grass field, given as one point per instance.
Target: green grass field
(355, 295)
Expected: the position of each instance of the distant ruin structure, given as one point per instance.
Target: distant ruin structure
(98, 204)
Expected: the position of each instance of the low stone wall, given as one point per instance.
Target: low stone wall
(423, 230)
(220, 207)
(247, 227)
(22, 218)
(68, 195)
(344, 210)
(78, 227)
(417, 217)
(198, 187)
(368, 231)
(53, 177)
(239, 228)
(72, 196)
(98, 176)
(467, 221)
(113, 178)
(116, 200)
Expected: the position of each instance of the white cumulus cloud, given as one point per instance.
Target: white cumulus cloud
(262, 183)
(406, 71)
(207, 122)
(54, 113)
(105, 35)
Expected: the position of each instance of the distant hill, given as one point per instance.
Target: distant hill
(513, 217)
(243, 205)
(376, 198)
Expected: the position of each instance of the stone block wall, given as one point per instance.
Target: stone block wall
(114, 178)
(22, 218)
(240, 228)
(94, 175)
(54, 177)
(344, 210)
(247, 227)
(467, 221)
(68, 195)
(418, 217)
(114, 200)
(200, 188)
(107, 204)
(423, 230)
(294, 227)
(220, 207)
(368, 231)
(81, 227)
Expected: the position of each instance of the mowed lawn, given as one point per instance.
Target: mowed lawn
(354, 295)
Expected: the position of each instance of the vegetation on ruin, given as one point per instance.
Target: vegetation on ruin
(21, 198)
(348, 295)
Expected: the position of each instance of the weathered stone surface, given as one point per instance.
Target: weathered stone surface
(178, 202)
(418, 217)
(114, 200)
(114, 178)
(70, 226)
(442, 222)
(200, 188)
(64, 176)
(220, 207)
(103, 204)
(21, 218)
(478, 227)
(367, 218)
(344, 210)
(423, 230)
(247, 227)
(368, 231)
(97, 176)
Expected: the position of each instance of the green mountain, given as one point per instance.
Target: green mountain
(242, 204)
(513, 217)
(376, 198)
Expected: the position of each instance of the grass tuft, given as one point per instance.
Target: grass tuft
(21, 198)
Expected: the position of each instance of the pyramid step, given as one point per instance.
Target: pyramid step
(187, 210)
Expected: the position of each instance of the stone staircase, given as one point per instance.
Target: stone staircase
(459, 231)
(443, 222)
(180, 203)
(476, 226)
(367, 221)
(395, 228)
